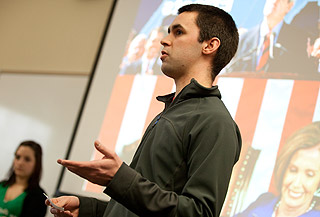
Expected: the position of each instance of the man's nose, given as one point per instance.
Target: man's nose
(165, 41)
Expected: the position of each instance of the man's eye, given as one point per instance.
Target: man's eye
(179, 32)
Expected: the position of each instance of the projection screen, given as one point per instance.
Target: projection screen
(269, 106)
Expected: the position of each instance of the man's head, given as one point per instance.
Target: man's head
(276, 10)
(277, 7)
(215, 22)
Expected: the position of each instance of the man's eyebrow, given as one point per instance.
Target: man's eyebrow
(174, 27)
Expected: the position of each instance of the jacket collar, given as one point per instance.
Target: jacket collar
(192, 90)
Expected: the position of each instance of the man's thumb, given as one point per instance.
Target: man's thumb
(102, 149)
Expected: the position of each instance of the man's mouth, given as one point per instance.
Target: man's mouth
(164, 54)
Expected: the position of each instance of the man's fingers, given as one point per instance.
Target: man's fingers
(59, 213)
(47, 202)
(103, 149)
(75, 167)
(85, 173)
(59, 201)
(83, 169)
(77, 171)
(75, 164)
(67, 163)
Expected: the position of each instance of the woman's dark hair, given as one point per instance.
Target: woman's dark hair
(36, 175)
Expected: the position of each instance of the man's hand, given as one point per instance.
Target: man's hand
(69, 203)
(100, 171)
(316, 49)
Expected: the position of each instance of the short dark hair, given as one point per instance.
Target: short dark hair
(34, 179)
(215, 22)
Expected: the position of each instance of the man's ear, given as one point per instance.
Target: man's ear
(211, 46)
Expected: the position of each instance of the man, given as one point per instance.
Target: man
(184, 162)
(277, 47)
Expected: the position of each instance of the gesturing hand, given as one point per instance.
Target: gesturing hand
(97, 171)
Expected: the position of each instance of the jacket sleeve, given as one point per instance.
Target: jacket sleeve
(212, 149)
(91, 207)
(34, 204)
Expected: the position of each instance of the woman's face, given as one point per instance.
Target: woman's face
(301, 178)
(24, 162)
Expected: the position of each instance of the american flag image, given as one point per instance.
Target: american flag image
(266, 110)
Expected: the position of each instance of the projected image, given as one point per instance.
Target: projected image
(278, 108)
(282, 41)
(143, 46)
(143, 54)
(276, 102)
(296, 178)
(285, 44)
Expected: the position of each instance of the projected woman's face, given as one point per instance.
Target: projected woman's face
(301, 179)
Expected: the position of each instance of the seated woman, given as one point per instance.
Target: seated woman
(21, 194)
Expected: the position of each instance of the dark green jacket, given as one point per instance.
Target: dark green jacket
(183, 164)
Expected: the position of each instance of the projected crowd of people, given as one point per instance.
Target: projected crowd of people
(278, 49)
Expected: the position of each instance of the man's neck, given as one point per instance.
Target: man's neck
(180, 83)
